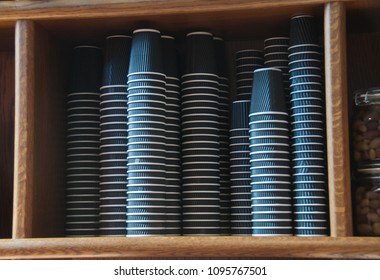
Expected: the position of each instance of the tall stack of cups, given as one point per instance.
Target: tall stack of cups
(241, 217)
(113, 137)
(270, 156)
(200, 137)
(276, 55)
(146, 209)
(308, 129)
(83, 140)
(224, 129)
(173, 136)
(247, 61)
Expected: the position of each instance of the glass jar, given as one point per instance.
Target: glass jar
(367, 205)
(366, 127)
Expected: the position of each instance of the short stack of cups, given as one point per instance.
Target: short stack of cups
(113, 137)
(308, 134)
(276, 55)
(269, 145)
(246, 62)
(83, 140)
(173, 137)
(224, 128)
(200, 137)
(241, 217)
(146, 196)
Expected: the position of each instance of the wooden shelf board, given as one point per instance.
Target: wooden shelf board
(188, 12)
(193, 248)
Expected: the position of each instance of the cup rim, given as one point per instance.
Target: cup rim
(146, 30)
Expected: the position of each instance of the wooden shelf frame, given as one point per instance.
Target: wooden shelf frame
(230, 247)
(34, 49)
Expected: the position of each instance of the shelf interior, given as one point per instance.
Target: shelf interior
(7, 103)
(51, 42)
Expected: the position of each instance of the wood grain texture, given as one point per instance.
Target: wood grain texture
(40, 138)
(193, 248)
(50, 72)
(7, 103)
(181, 13)
(24, 130)
(363, 60)
(363, 4)
(337, 123)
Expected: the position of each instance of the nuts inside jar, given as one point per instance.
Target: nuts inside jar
(367, 207)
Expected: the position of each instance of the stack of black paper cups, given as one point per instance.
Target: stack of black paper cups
(224, 127)
(83, 140)
(276, 55)
(270, 156)
(308, 129)
(200, 137)
(113, 137)
(146, 209)
(173, 137)
(241, 216)
(247, 61)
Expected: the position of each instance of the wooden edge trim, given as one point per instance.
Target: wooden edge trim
(24, 129)
(193, 248)
(337, 124)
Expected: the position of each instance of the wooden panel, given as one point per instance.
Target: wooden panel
(50, 143)
(193, 248)
(337, 130)
(7, 102)
(169, 15)
(40, 138)
(24, 130)
(363, 4)
(363, 60)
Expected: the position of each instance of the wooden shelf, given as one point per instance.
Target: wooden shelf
(44, 32)
(192, 248)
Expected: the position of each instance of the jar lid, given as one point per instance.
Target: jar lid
(367, 96)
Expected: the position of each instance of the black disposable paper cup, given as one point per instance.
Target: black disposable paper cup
(268, 116)
(278, 63)
(170, 56)
(311, 217)
(200, 54)
(304, 79)
(299, 56)
(303, 30)
(307, 125)
(240, 111)
(86, 69)
(275, 41)
(300, 72)
(255, 62)
(272, 232)
(113, 93)
(269, 126)
(146, 84)
(270, 170)
(305, 48)
(306, 63)
(220, 53)
(306, 101)
(258, 134)
(254, 150)
(311, 232)
(269, 140)
(146, 52)
(308, 117)
(116, 62)
(249, 53)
